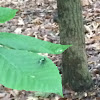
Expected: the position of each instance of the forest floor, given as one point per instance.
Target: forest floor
(38, 18)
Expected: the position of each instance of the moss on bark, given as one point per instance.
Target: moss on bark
(74, 60)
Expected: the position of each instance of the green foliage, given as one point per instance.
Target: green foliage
(21, 67)
(22, 42)
(6, 14)
(24, 70)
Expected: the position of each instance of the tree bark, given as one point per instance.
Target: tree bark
(74, 60)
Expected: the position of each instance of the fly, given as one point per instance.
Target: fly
(42, 60)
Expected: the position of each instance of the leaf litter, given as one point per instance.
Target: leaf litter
(38, 18)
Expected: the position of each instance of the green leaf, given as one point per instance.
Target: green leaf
(23, 70)
(6, 14)
(22, 42)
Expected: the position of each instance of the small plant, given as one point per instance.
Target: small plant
(21, 66)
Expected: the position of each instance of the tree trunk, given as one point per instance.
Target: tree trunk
(74, 61)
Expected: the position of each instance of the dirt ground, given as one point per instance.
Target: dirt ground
(38, 18)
